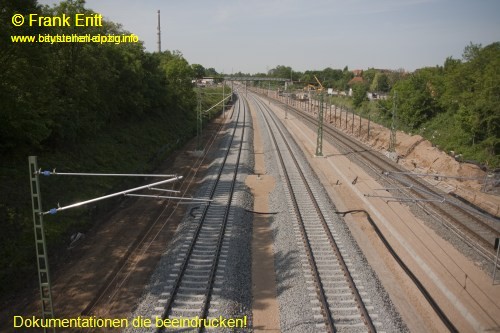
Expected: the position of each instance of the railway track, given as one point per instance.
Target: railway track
(190, 289)
(338, 295)
(113, 285)
(476, 228)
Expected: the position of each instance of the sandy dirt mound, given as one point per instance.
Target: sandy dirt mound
(418, 155)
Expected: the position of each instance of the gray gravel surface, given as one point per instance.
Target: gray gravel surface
(296, 303)
(232, 287)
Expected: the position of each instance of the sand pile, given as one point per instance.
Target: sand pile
(418, 155)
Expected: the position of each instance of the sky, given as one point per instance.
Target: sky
(256, 36)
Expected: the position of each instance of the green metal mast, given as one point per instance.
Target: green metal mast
(392, 140)
(40, 243)
(319, 141)
(199, 120)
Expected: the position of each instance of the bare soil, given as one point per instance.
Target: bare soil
(265, 309)
(418, 155)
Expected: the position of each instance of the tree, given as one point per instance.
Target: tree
(178, 74)
(331, 76)
(478, 98)
(396, 76)
(199, 71)
(369, 75)
(25, 84)
(347, 76)
(281, 72)
(471, 52)
(416, 98)
(359, 91)
(380, 83)
(211, 72)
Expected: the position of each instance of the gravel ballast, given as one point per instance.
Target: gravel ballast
(232, 286)
(296, 305)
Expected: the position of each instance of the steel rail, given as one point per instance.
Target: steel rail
(183, 268)
(140, 242)
(321, 293)
(222, 231)
(446, 321)
(380, 165)
(440, 313)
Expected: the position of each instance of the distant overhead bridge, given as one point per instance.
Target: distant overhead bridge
(254, 78)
